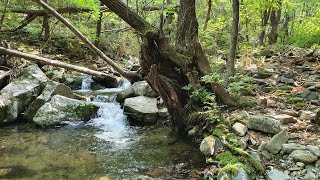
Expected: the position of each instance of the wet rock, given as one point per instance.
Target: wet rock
(207, 145)
(264, 124)
(140, 88)
(17, 95)
(240, 129)
(276, 142)
(306, 115)
(52, 88)
(275, 174)
(285, 119)
(61, 109)
(15, 172)
(242, 175)
(73, 80)
(303, 156)
(289, 148)
(143, 110)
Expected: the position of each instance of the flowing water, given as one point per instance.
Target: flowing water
(104, 146)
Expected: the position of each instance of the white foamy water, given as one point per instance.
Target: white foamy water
(86, 83)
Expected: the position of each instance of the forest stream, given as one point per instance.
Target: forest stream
(104, 147)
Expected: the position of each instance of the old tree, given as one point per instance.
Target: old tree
(169, 68)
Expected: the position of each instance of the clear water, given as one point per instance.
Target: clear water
(104, 146)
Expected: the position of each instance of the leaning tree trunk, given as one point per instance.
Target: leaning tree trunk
(169, 69)
(264, 22)
(234, 40)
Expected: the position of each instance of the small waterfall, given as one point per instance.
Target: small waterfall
(86, 83)
(111, 120)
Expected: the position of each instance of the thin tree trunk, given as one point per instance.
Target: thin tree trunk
(131, 76)
(6, 3)
(98, 29)
(46, 25)
(208, 15)
(234, 40)
(264, 22)
(55, 63)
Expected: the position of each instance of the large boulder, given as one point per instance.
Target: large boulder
(140, 88)
(61, 109)
(143, 110)
(20, 93)
(52, 88)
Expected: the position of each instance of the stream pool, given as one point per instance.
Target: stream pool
(105, 147)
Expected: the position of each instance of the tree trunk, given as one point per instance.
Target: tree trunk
(286, 24)
(46, 25)
(42, 60)
(208, 15)
(6, 3)
(169, 69)
(129, 75)
(234, 40)
(274, 19)
(264, 22)
(98, 29)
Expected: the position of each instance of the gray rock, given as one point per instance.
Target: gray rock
(143, 110)
(207, 145)
(316, 118)
(314, 149)
(140, 88)
(141, 177)
(264, 124)
(275, 174)
(266, 154)
(73, 80)
(262, 146)
(286, 80)
(17, 95)
(242, 175)
(240, 129)
(285, 119)
(310, 95)
(289, 148)
(303, 156)
(306, 115)
(310, 176)
(290, 112)
(52, 88)
(276, 142)
(61, 109)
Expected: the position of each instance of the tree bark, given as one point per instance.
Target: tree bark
(129, 75)
(70, 10)
(42, 60)
(6, 3)
(208, 15)
(234, 40)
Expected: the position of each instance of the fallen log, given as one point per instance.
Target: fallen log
(55, 63)
(70, 10)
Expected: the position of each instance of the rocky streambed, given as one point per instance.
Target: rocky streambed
(50, 132)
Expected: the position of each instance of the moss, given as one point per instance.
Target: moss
(228, 169)
(299, 105)
(227, 158)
